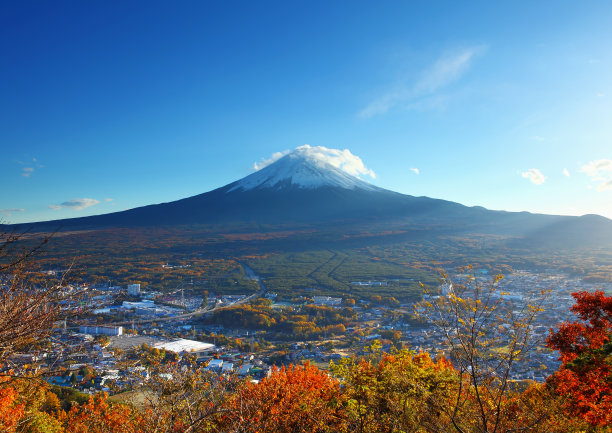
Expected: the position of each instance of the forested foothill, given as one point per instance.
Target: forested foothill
(301, 261)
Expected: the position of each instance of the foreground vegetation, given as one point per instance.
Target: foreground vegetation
(396, 391)
(382, 392)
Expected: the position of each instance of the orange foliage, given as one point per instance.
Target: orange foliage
(293, 399)
(98, 416)
(10, 410)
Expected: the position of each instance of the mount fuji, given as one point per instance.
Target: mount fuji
(302, 188)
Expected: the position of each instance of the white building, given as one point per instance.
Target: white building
(141, 304)
(101, 330)
(326, 300)
(133, 289)
(215, 365)
(182, 345)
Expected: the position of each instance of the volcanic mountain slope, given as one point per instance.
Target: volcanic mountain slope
(300, 188)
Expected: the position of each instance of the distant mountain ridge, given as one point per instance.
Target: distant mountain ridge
(301, 189)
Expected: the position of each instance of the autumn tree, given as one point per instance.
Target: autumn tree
(27, 405)
(486, 335)
(100, 416)
(11, 410)
(183, 399)
(28, 309)
(27, 312)
(399, 392)
(556, 420)
(293, 399)
(585, 347)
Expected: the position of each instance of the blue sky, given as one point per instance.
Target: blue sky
(111, 105)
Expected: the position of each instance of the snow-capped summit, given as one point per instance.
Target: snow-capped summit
(302, 168)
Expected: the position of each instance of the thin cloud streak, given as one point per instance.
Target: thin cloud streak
(605, 186)
(8, 212)
(446, 70)
(75, 203)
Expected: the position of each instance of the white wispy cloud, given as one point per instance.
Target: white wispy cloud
(566, 172)
(596, 169)
(600, 172)
(605, 186)
(415, 170)
(30, 166)
(538, 138)
(8, 212)
(534, 175)
(267, 161)
(108, 199)
(446, 70)
(75, 203)
(343, 159)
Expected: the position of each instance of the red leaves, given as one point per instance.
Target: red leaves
(98, 416)
(292, 399)
(596, 308)
(585, 377)
(10, 410)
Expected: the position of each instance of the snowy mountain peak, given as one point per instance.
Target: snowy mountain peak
(302, 168)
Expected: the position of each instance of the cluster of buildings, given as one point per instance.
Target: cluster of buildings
(89, 365)
(76, 352)
(144, 308)
(550, 291)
